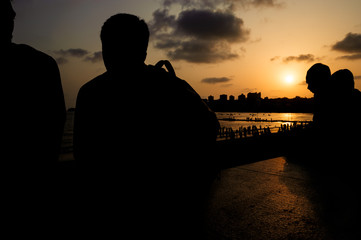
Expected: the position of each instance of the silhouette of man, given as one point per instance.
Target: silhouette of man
(32, 101)
(344, 82)
(348, 102)
(318, 80)
(141, 129)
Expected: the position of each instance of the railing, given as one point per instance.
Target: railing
(226, 133)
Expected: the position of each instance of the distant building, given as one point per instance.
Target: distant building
(223, 97)
(254, 103)
(254, 96)
(242, 97)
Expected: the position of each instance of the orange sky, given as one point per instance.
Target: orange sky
(229, 46)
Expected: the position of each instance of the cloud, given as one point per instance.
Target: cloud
(73, 52)
(303, 83)
(203, 32)
(358, 77)
(79, 53)
(351, 57)
(206, 24)
(212, 4)
(350, 44)
(275, 58)
(95, 57)
(196, 51)
(214, 80)
(300, 58)
(162, 21)
(61, 60)
(248, 90)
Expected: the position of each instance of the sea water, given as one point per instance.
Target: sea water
(237, 120)
(226, 119)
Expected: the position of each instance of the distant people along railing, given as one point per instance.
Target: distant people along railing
(227, 133)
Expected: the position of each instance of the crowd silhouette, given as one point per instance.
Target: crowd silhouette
(131, 162)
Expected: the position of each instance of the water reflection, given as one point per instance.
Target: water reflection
(272, 120)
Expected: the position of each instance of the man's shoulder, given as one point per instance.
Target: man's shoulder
(28, 52)
(95, 82)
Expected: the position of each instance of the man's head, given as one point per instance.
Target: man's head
(124, 41)
(7, 17)
(318, 77)
(343, 81)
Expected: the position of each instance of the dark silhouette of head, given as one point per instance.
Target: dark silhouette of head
(7, 16)
(125, 40)
(318, 77)
(343, 81)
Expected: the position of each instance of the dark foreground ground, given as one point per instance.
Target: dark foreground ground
(279, 199)
(266, 191)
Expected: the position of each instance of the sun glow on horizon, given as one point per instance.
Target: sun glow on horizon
(289, 79)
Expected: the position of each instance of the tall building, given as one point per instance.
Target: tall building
(223, 97)
(254, 96)
(241, 97)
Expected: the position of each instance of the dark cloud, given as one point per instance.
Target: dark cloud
(300, 58)
(265, 3)
(350, 44)
(95, 57)
(303, 83)
(212, 4)
(351, 57)
(274, 58)
(204, 31)
(248, 90)
(73, 52)
(161, 21)
(61, 60)
(202, 52)
(215, 80)
(79, 53)
(198, 35)
(206, 24)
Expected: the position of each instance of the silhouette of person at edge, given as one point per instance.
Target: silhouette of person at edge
(332, 150)
(313, 140)
(349, 98)
(144, 138)
(347, 105)
(33, 103)
(318, 79)
(335, 98)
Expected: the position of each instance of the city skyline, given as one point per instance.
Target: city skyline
(232, 46)
(253, 102)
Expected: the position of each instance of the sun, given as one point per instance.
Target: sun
(289, 79)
